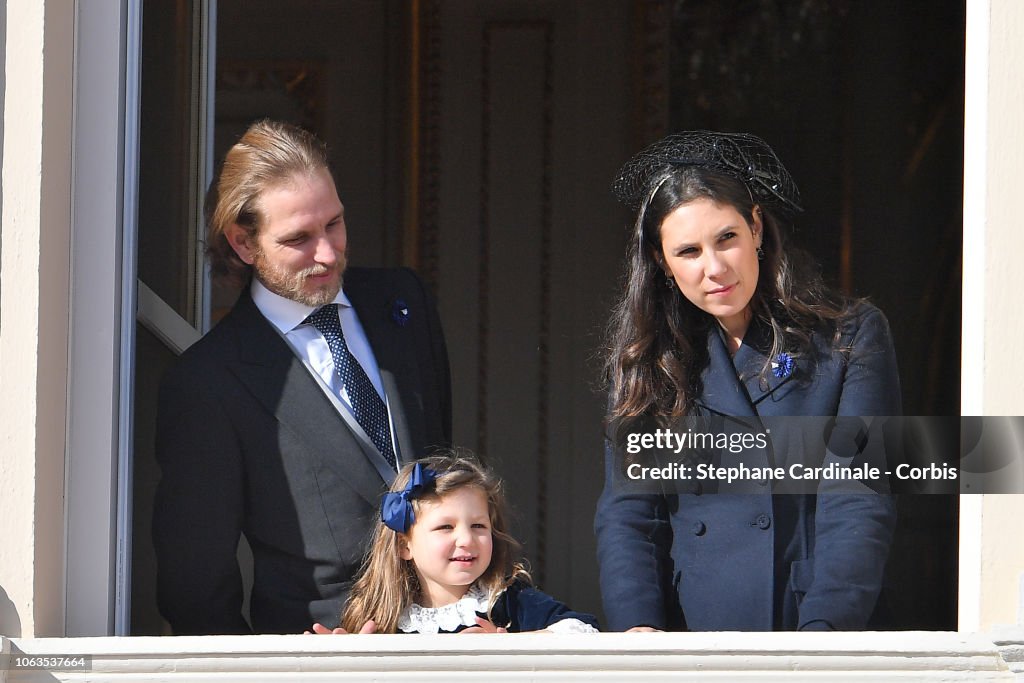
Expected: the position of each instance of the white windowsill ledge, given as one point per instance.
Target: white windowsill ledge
(873, 657)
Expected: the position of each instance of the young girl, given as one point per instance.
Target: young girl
(441, 561)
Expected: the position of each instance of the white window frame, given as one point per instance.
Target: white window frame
(106, 301)
(102, 214)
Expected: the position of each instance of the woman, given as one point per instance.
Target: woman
(717, 321)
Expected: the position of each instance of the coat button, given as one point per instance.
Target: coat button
(764, 521)
(698, 528)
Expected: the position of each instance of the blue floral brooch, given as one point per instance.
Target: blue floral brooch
(400, 312)
(783, 365)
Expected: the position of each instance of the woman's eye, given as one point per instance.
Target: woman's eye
(479, 526)
(727, 236)
(687, 251)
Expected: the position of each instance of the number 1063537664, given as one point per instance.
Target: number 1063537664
(49, 662)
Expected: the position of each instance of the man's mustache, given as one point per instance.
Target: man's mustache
(314, 271)
(320, 269)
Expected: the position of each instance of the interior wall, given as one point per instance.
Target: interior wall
(534, 121)
(902, 199)
(328, 66)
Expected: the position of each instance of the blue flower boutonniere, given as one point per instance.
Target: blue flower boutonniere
(400, 312)
(783, 365)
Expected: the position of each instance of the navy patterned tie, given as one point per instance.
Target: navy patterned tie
(367, 406)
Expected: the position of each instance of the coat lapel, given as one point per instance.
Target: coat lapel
(375, 304)
(269, 368)
(750, 361)
(723, 392)
(733, 385)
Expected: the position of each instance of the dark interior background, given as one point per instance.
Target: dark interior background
(477, 141)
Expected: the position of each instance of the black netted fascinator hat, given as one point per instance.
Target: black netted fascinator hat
(745, 157)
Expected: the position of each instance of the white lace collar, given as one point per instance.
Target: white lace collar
(418, 619)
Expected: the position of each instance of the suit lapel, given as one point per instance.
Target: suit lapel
(269, 368)
(374, 303)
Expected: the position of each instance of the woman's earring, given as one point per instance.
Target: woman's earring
(670, 282)
(760, 254)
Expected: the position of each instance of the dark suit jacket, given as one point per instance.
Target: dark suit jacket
(741, 557)
(248, 442)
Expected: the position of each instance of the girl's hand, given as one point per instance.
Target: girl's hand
(320, 629)
(643, 629)
(484, 626)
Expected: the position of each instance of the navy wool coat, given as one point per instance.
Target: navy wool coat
(746, 557)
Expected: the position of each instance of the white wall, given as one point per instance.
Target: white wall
(34, 271)
(991, 563)
(3, 50)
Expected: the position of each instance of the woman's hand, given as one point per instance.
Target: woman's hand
(320, 629)
(484, 626)
(643, 629)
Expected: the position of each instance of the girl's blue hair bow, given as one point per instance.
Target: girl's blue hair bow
(396, 510)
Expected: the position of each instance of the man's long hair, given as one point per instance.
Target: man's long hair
(269, 154)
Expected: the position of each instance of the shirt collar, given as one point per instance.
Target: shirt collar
(448, 618)
(285, 314)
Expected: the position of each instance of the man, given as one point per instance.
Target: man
(287, 421)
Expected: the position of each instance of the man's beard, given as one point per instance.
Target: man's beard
(292, 285)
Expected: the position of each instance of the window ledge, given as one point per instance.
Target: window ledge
(1009, 640)
(870, 656)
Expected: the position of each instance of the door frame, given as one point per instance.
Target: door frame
(107, 300)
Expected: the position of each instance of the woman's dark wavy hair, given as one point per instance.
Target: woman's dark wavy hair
(656, 339)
